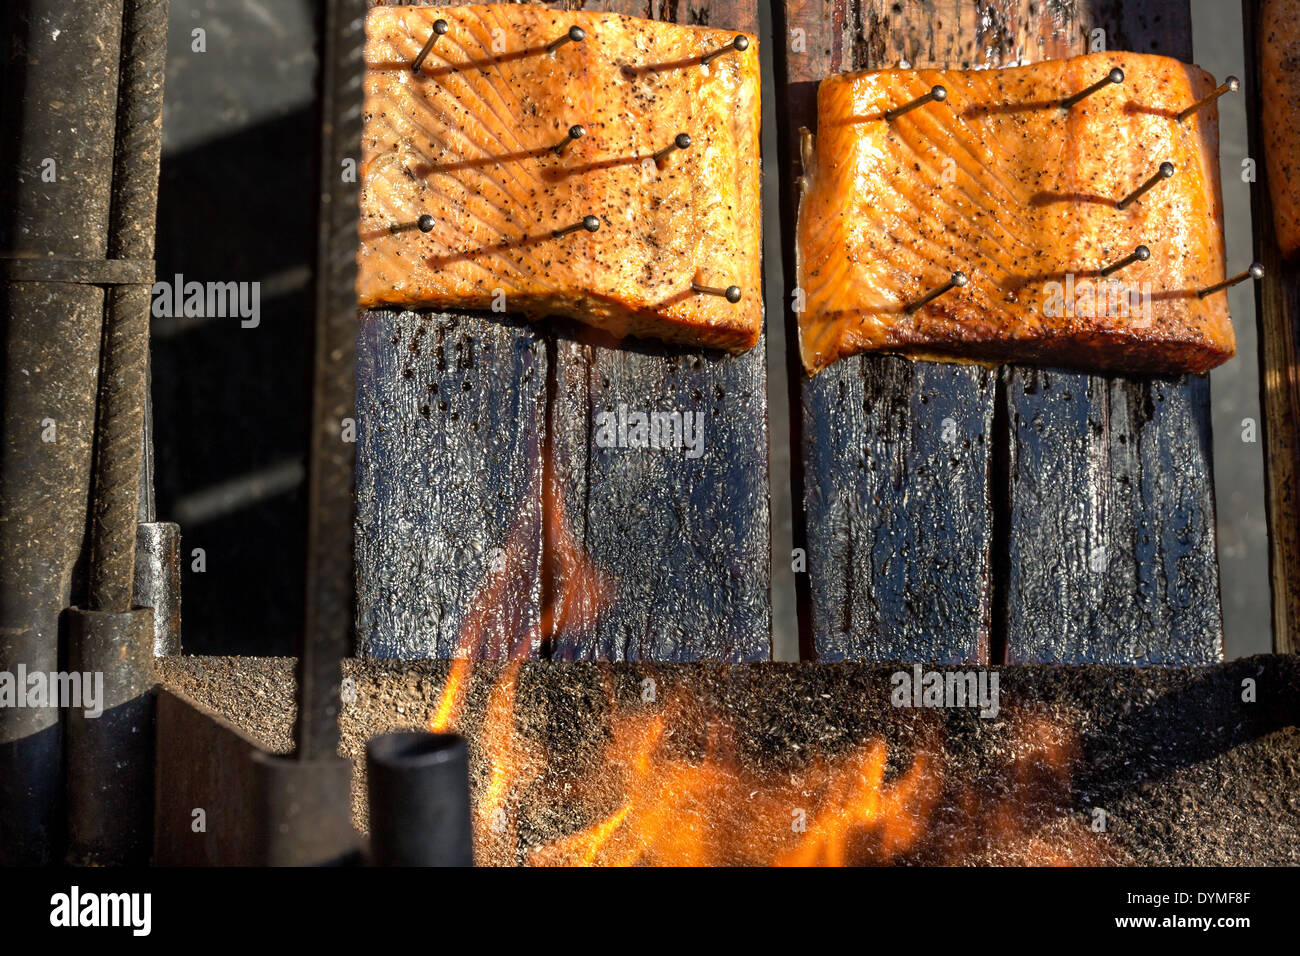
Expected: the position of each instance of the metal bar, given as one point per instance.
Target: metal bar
(1277, 316)
(110, 755)
(120, 424)
(327, 626)
(61, 65)
(157, 583)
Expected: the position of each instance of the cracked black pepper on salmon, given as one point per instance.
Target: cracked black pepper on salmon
(1003, 184)
(469, 141)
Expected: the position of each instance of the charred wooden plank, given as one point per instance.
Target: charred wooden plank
(682, 536)
(451, 411)
(1110, 509)
(684, 541)
(451, 419)
(1277, 307)
(896, 454)
(896, 461)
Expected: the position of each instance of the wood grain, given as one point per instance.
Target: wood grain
(1111, 539)
(1078, 521)
(679, 544)
(1277, 305)
(451, 412)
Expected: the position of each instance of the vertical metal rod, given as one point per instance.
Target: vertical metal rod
(122, 382)
(328, 616)
(110, 755)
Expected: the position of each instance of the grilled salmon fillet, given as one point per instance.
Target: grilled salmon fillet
(1280, 69)
(1002, 184)
(470, 141)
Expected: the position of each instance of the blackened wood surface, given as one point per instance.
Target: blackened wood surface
(685, 540)
(897, 455)
(1278, 313)
(679, 544)
(1111, 551)
(451, 411)
(1080, 514)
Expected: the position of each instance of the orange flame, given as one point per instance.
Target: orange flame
(655, 799)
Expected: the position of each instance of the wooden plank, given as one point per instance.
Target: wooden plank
(451, 422)
(684, 542)
(1111, 551)
(451, 412)
(672, 551)
(897, 455)
(1277, 306)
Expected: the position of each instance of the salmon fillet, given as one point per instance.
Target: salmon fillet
(1002, 184)
(470, 140)
(1280, 69)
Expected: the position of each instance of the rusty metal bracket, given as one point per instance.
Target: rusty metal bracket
(221, 800)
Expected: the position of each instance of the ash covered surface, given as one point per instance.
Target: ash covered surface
(601, 762)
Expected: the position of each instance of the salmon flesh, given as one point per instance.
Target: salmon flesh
(1000, 182)
(1280, 76)
(478, 140)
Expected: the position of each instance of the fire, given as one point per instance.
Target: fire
(671, 785)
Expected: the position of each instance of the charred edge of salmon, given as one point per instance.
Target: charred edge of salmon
(1170, 350)
(807, 169)
(1100, 351)
(637, 323)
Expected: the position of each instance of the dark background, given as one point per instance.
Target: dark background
(237, 203)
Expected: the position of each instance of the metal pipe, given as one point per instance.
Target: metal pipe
(158, 582)
(59, 104)
(110, 758)
(419, 799)
(110, 754)
(302, 812)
